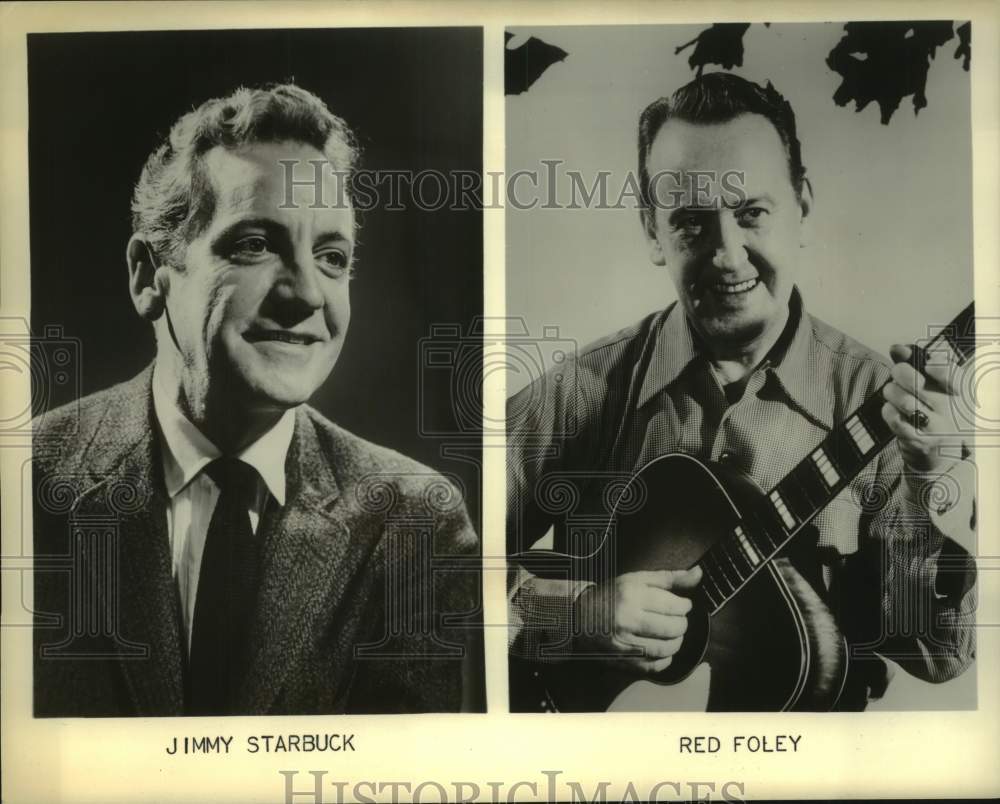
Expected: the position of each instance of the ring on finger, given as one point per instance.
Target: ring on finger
(918, 420)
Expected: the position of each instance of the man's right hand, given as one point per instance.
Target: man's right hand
(637, 620)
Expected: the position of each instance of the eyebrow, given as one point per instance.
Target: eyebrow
(276, 230)
(749, 202)
(765, 198)
(332, 237)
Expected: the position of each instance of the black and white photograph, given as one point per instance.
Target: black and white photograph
(254, 492)
(423, 401)
(740, 474)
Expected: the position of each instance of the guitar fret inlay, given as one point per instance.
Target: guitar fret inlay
(748, 550)
(822, 463)
(942, 352)
(862, 438)
(782, 509)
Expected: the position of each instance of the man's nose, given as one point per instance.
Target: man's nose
(301, 280)
(730, 242)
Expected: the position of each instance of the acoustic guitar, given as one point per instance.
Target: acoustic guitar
(752, 601)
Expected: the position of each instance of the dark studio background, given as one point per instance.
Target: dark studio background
(100, 102)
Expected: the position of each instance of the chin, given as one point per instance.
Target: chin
(274, 391)
(734, 330)
(287, 394)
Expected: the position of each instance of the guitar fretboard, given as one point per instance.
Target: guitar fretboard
(819, 477)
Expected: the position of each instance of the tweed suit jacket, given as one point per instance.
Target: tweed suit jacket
(369, 576)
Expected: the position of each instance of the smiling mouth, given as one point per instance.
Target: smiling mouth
(280, 336)
(735, 288)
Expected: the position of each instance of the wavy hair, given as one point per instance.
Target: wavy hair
(173, 200)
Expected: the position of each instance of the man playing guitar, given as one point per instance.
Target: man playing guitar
(737, 373)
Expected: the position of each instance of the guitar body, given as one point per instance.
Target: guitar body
(773, 646)
(760, 637)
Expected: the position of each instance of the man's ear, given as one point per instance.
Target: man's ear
(648, 218)
(148, 283)
(806, 201)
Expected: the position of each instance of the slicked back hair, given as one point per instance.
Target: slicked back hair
(173, 200)
(719, 98)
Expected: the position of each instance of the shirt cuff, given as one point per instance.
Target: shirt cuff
(541, 615)
(949, 500)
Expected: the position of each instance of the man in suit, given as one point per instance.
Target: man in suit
(737, 372)
(230, 550)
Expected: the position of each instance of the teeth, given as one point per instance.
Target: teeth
(739, 287)
(283, 337)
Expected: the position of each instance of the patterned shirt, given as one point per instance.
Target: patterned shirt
(578, 432)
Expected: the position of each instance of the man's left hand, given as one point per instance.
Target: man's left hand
(919, 410)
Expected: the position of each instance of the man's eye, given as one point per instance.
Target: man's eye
(750, 215)
(333, 261)
(251, 246)
(689, 224)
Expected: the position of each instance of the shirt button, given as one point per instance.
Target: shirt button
(727, 456)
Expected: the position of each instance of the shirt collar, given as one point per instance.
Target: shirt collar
(801, 372)
(187, 451)
(795, 369)
(673, 351)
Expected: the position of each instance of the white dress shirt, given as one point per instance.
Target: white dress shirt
(193, 494)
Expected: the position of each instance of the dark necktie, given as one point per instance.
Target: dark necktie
(227, 590)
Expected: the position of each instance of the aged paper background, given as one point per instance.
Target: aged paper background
(932, 754)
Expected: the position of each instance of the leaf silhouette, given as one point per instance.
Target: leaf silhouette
(886, 61)
(523, 65)
(721, 43)
(964, 49)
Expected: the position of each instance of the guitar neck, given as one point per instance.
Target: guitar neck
(819, 477)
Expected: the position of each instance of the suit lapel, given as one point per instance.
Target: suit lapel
(313, 548)
(123, 460)
(311, 552)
